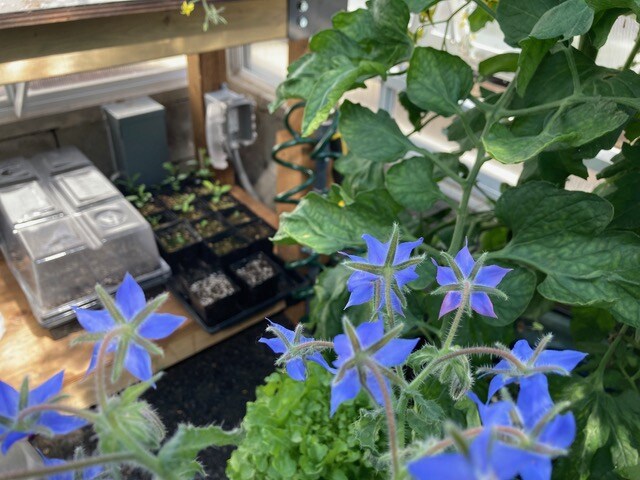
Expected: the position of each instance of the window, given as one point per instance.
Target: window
(70, 92)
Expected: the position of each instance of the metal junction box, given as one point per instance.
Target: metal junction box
(138, 132)
(307, 17)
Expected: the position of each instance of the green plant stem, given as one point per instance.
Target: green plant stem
(575, 76)
(45, 472)
(387, 303)
(52, 407)
(632, 54)
(455, 323)
(101, 369)
(606, 358)
(485, 7)
(391, 420)
(445, 168)
(423, 124)
(141, 454)
(446, 28)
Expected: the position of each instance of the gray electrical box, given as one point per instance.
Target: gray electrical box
(307, 17)
(138, 132)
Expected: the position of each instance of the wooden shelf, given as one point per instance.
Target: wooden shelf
(28, 349)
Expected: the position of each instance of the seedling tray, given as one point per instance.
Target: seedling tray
(288, 283)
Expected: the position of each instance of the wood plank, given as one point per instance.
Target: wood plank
(207, 72)
(30, 53)
(28, 349)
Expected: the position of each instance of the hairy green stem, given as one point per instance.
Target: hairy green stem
(101, 369)
(575, 76)
(391, 420)
(455, 323)
(45, 472)
(387, 303)
(48, 407)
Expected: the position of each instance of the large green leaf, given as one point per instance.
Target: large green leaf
(327, 226)
(335, 42)
(518, 17)
(599, 5)
(574, 127)
(563, 234)
(532, 53)
(417, 6)
(567, 20)
(359, 174)
(411, 184)
(437, 81)
(373, 136)
(553, 167)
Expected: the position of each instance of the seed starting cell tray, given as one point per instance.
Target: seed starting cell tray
(288, 283)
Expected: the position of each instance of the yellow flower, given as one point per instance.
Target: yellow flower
(187, 8)
(341, 204)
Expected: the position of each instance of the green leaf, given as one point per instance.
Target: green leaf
(602, 24)
(553, 167)
(178, 456)
(599, 5)
(326, 91)
(330, 296)
(532, 53)
(437, 81)
(563, 235)
(519, 285)
(478, 19)
(505, 62)
(518, 17)
(411, 184)
(414, 112)
(373, 136)
(359, 174)
(417, 6)
(623, 192)
(334, 43)
(574, 127)
(328, 227)
(567, 20)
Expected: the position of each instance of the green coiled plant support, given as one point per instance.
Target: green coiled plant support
(316, 178)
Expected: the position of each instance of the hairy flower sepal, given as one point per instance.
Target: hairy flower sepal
(363, 353)
(127, 327)
(381, 276)
(296, 349)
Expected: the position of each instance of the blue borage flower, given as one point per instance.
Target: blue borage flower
(485, 458)
(88, 473)
(549, 433)
(136, 323)
(464, 277)
(387, 268)
(360, 350)
(537, 363)
(12, 403)
(286, 342)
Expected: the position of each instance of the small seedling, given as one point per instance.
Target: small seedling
(175, 178)
(186, 204)
(141, 196)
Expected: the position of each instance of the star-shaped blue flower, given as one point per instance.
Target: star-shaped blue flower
(465, 274)
(370, 346)
(11, 405)
(538, 362)
(285, 341)
(387, 268)
(135, 326)
(487, 458)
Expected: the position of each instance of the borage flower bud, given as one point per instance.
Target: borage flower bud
(467, 284)
(296, 350)
(363, 352)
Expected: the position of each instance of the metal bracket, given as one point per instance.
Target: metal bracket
(307, 17)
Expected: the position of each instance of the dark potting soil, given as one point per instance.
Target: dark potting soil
(256, 271)
(213, 386)
(209, 227)
(227, 245)
(212, 288)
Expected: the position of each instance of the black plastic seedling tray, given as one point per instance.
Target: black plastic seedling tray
(289, 282)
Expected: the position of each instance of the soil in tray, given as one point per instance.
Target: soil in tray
(227, 245)
(209, 227)
(214, 297)
(256, 231)
(238, 217)
(195, 212)
(226, 202)
(176, 238)
(152, 208)
(161, 219)
(174, 199)
(259, 275)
